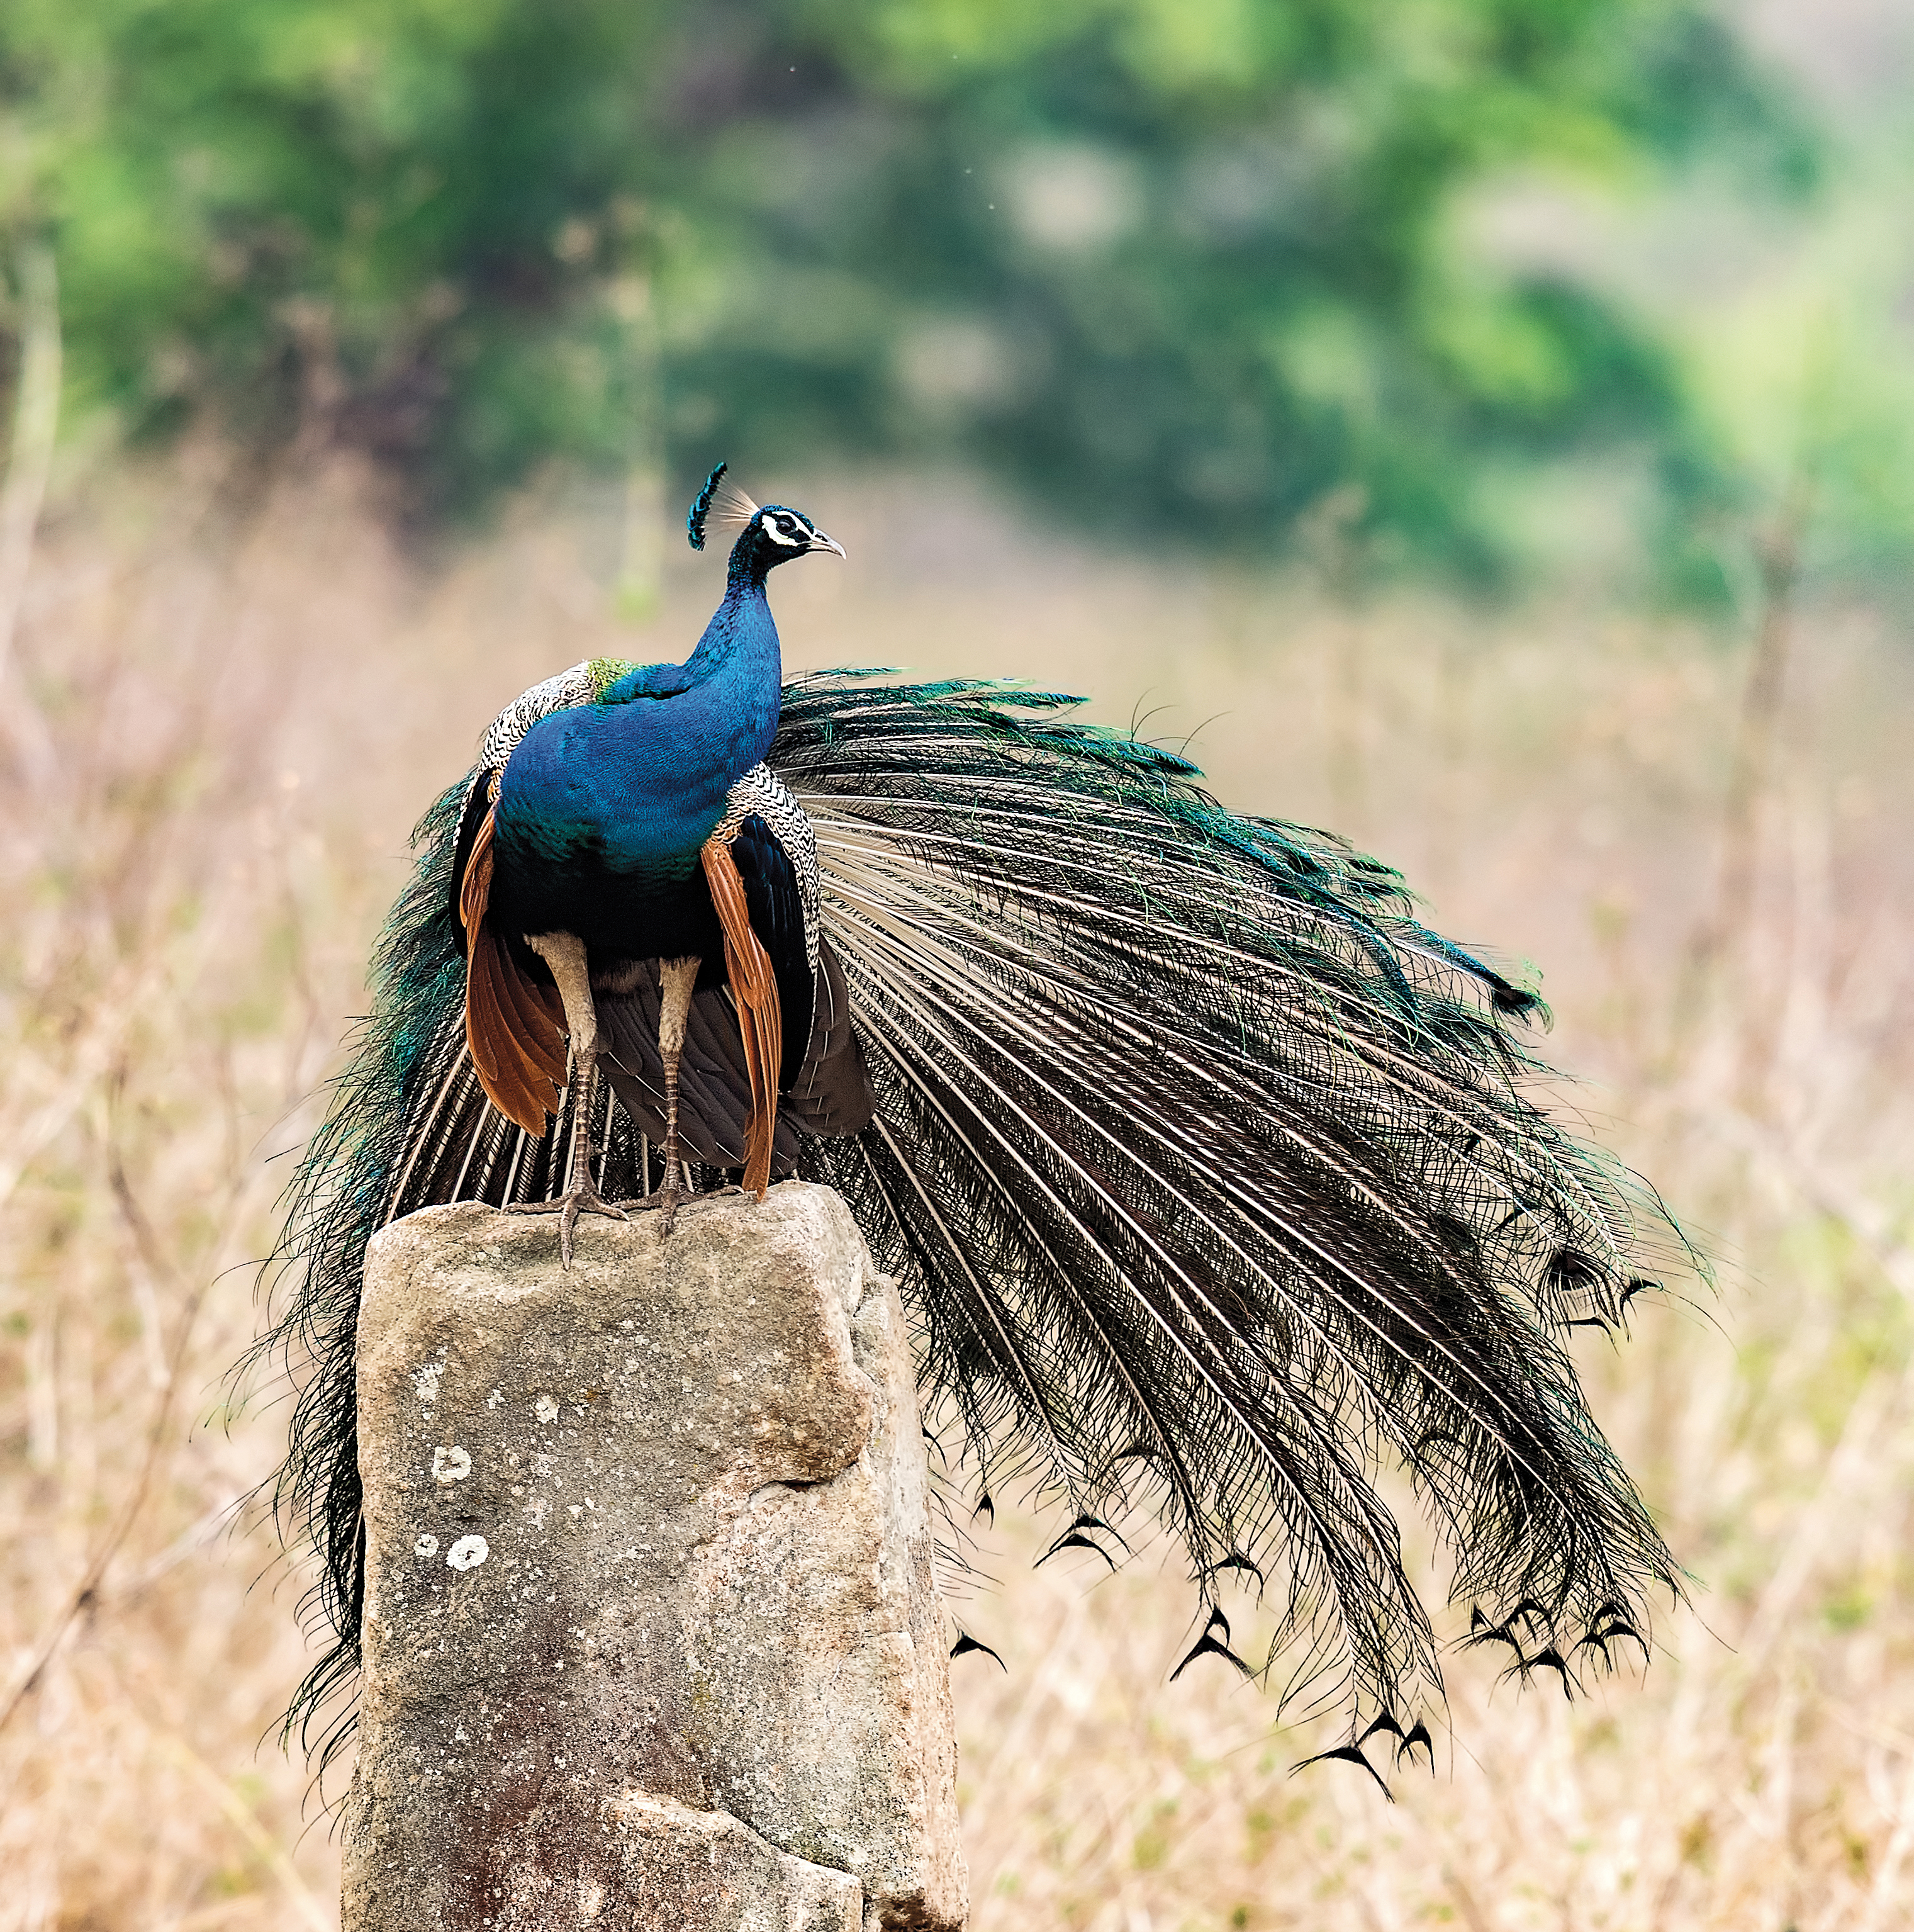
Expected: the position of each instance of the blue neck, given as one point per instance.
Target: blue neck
(634, 784)
(742, 635)
(737, 671)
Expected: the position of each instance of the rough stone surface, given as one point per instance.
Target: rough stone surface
(650, 1634)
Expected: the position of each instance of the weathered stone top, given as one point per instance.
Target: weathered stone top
(648, 1532)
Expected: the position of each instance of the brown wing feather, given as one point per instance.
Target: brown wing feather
(517, 1040)
(754, 986)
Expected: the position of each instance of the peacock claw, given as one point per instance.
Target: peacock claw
(669, 1198)
(673, 1198)
(583, 1200)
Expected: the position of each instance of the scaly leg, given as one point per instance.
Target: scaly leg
(564, 953)
(677, 977)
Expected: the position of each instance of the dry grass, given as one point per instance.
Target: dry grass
(228, 729)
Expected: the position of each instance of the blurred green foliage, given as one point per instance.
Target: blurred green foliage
(1190, 267)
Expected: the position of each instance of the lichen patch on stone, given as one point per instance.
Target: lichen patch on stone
(451, 1465)
(467, 1553)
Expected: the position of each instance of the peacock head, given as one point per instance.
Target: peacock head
(770, 535)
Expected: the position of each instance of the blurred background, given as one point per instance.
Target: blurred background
(1484, 426)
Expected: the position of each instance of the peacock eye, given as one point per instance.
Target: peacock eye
(784, 527)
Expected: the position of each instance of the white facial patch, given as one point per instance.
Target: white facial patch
(785, 530)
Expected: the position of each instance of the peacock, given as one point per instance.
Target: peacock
(1214, 1183)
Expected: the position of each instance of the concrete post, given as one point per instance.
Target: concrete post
(650, 1634)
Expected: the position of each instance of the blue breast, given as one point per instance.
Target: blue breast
(617, 797)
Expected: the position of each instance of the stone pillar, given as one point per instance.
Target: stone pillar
(650, 1634)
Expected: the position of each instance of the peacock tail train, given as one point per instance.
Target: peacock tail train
(1211, 1180)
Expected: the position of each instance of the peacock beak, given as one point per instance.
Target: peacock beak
(819, 541)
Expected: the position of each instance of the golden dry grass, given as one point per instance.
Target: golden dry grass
(218, 732)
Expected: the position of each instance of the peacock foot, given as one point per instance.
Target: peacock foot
(668, 1200)
(671, 1199)
(585, 1199)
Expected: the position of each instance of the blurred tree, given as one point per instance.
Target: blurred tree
(1204, 256)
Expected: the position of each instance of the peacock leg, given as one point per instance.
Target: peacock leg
(678, 978)
(564, 953)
